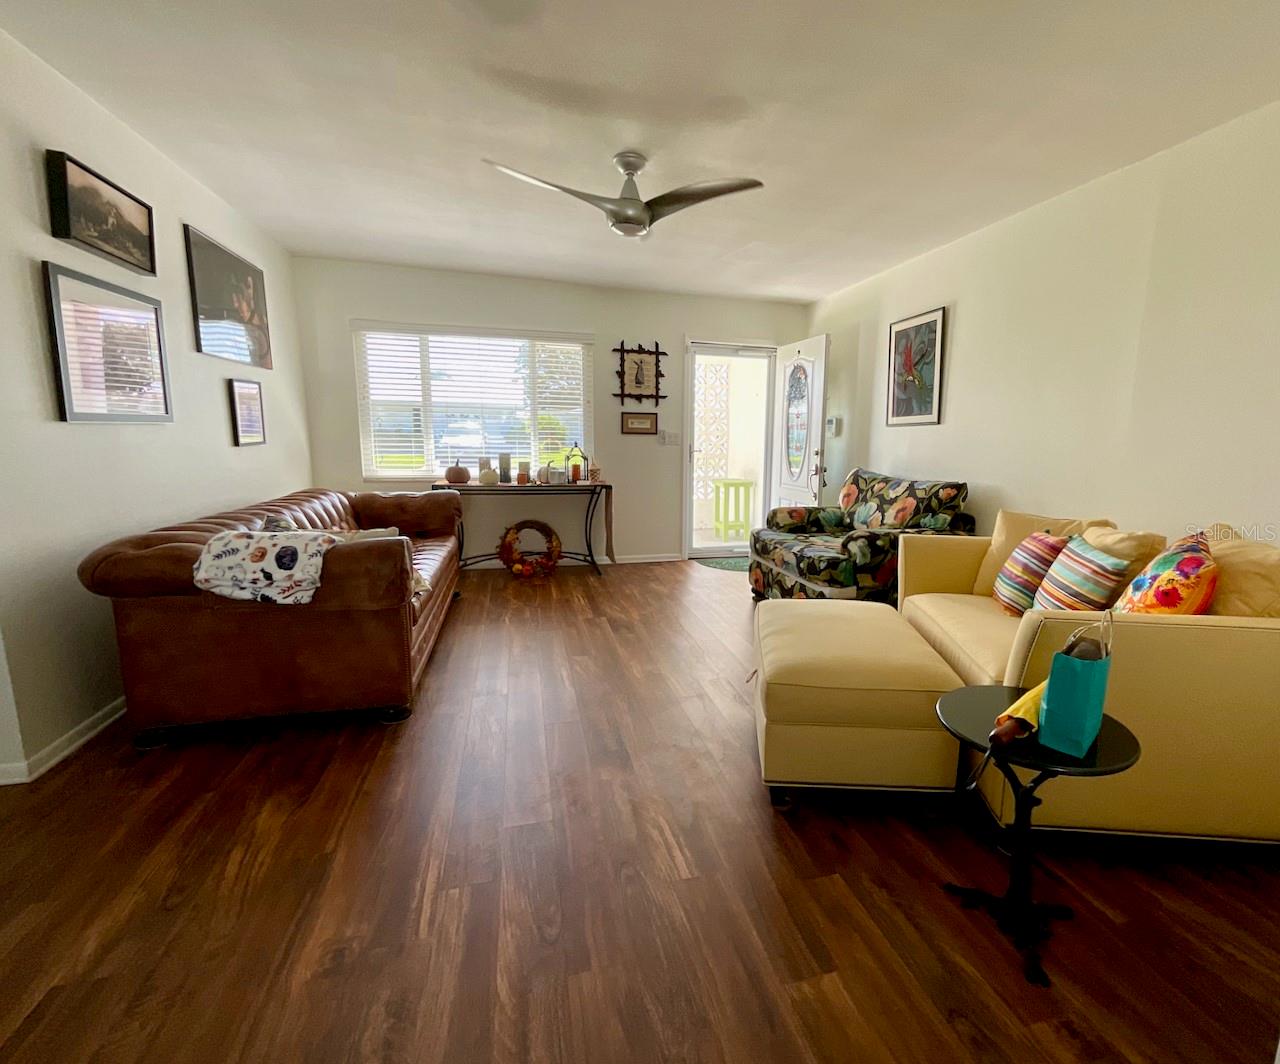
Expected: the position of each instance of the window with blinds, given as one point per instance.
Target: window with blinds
(430, 398)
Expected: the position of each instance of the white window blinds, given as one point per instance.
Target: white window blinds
(433, 397)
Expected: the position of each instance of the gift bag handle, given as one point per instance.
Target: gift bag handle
(1106, 632)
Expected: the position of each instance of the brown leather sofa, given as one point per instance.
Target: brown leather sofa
(362, 642)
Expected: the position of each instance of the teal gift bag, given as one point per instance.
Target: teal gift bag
(1071, 710)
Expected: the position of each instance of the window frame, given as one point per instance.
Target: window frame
(364, 403)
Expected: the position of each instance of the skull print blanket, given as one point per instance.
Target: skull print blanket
(280, 567)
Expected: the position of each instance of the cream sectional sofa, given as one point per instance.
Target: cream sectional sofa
(1202, 694)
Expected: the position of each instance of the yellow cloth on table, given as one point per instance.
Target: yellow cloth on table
(1026, 708)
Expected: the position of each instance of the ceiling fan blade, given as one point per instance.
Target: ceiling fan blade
(605, 203)
(699, 192)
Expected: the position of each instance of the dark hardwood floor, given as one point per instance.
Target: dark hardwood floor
(566, 855)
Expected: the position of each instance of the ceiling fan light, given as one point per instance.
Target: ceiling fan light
(628, 228)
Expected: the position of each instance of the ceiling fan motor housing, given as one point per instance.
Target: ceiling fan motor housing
(629, 217)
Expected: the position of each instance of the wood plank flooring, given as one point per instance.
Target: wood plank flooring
(566, 855)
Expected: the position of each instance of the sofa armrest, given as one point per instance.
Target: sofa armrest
(939, 564)
(1159, 646)
(367, 574)
(794, 519)
(155, 563)
(414, 513)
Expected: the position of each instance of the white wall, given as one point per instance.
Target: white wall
(1113, 351)
(647, 477)
(70, 487)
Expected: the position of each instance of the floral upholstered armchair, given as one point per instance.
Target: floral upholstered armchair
(851, 550)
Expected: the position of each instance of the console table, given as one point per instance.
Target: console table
(592, 493)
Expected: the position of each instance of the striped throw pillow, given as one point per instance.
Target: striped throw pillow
(1020, 577)
(1082, 578)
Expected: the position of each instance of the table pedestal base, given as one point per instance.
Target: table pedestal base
(1025, 922)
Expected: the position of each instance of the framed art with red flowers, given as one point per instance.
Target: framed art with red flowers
(915, 369)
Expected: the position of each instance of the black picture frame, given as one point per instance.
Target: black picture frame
(75, 401)
(648, 421)
(228, 302)
(649, 362)
(244, 435)
(94, 213)
(937, 317)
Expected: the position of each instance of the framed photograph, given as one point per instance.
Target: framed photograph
(108, 350)
(640, 373)
(639, 424)
(228, 302)
(87, 209)
(246, 413)
(915, 369)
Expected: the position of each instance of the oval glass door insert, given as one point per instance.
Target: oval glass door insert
(797, 419)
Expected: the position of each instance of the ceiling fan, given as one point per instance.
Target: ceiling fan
(628, 214)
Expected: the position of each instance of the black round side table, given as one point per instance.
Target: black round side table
(969, 714)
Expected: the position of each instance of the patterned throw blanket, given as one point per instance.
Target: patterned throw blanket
(280, 567)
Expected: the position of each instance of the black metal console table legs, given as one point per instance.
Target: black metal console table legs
(1026, 922)
(592, 492)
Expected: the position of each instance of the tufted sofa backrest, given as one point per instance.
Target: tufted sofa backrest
(315, 508)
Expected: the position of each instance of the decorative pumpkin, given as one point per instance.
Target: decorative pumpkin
(457, 474)
(525, 566)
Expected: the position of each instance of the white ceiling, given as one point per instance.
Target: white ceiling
(881, 129)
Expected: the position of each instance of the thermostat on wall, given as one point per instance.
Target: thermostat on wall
(834, 423)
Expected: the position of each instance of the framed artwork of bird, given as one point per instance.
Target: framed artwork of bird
(915, 369)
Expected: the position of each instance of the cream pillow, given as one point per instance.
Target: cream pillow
(370, 533)
(1011, 529)
(1248, 575)
(1136, 548)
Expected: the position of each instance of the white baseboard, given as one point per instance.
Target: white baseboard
(12, 772)
(36, 766)
(624, 560)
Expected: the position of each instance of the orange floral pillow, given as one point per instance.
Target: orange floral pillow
(1180, 580)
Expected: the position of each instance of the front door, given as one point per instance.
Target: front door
(799, 411)
(729, 428)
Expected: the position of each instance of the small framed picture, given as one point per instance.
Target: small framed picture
(246, 413)
(228, 302)
(108, 350)
(915, 369)
(639, 424)
(87, 209)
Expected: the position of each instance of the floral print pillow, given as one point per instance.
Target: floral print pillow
(1181, 580)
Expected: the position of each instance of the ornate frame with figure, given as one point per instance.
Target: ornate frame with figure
(915, 369)
(639, 372)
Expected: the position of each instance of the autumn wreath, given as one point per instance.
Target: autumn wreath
(543, 564)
